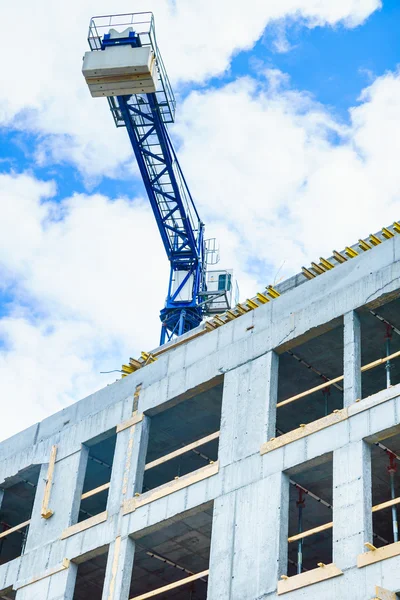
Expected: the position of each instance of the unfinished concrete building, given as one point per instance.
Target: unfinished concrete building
(253, 458)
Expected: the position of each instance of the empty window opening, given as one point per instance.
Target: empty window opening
(183, 438)
(173, 561)
(90, 578)
(8, 594)
(16, 503)
(380, 338)
(310, 518)
(97, 477)
(385, 457)
(310, 365)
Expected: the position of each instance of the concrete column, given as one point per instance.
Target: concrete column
(65, 498)
(248, 408)
(119, 569)
(57, 587)
(352, 503)
(139, 451)
(351, 358)
(249, 540)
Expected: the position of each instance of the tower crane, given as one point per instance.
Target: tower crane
(124, 64)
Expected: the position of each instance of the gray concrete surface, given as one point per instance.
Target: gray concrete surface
(250, 493)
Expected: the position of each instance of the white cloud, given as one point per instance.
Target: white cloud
(86, 279)
(88, 275)
(43, 90)
(290, 180)
(277, 178)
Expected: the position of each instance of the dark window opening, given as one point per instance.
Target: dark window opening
(380, 337)
(98, 475)
(16, 504)
(90, 578)
(385, 457)
(172, 554)
(304, 367)
(8, 594)
(310, 507)
(194, 420)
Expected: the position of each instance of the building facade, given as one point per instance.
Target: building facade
(249, 462)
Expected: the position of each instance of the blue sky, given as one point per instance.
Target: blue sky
(283, 110)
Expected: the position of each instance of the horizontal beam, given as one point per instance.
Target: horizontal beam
(170, 487)
(95, 491)
(380, 361)
(304, 534)
(171, 586)
(308, 578)
(180, 451)
(14, 529)
(329, 382)
(384, 505)
(322, 386)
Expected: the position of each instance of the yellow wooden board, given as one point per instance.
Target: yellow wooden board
(382, 594)
(373, 556)
(301, 432)
(46, 512)
(78, 527)
(169, 488)
(57, 569)
(135, 418)
(308, 578)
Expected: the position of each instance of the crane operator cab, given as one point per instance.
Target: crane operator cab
(122, 68)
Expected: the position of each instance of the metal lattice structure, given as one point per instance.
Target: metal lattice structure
(145, 117)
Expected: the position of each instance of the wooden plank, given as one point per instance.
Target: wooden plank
(46, 513)
(301, 432)
(188, 448)
(114, 568)
(95, 491)
(310, 391)
(309, 578)
(172, 586)
(87, 524)
(373, 556)
(57, 569)
(135, 418)
(4, 534)
(304, 534)
(170, 487)
(384, 505)
(380, 361)
(322, 386)
(382, 594)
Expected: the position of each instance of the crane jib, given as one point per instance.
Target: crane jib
(158, 170)
(125, 66)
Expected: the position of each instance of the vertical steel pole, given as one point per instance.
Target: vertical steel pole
(326, 392)
(300, 504)
(392, 468)
(182, 322)
(388, 366)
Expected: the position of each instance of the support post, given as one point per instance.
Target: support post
(248, 408)
(66, 495)
(249, 535)
(119, 569)
(352, 358)
(352, 503)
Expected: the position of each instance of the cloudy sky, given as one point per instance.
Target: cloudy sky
(288, 132)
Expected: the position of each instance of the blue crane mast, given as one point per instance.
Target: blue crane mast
(125, 65)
